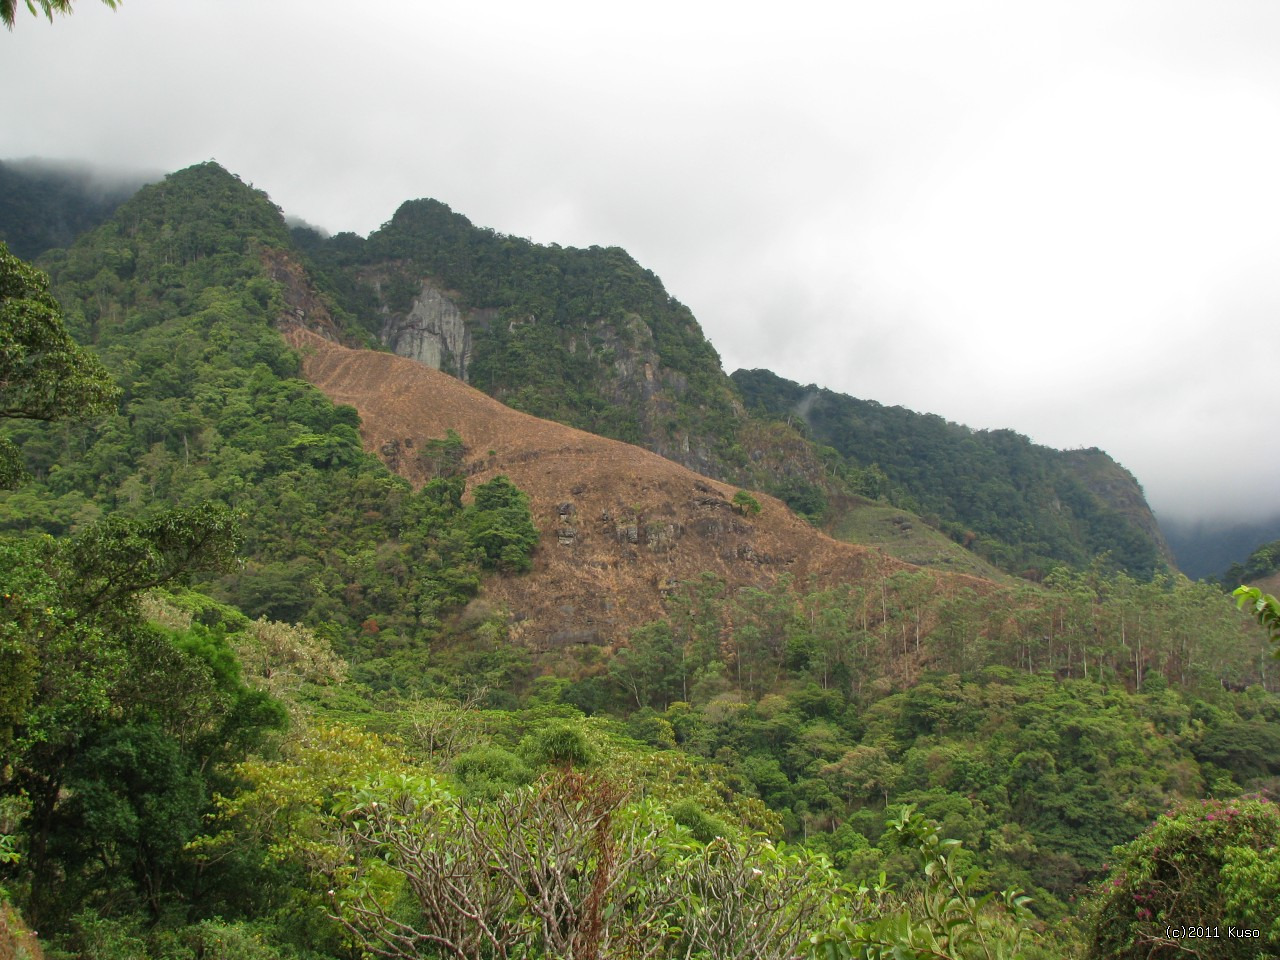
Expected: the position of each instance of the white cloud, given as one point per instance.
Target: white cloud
(1060, 218)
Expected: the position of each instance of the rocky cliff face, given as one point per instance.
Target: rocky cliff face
(434, 331)
(585, 337)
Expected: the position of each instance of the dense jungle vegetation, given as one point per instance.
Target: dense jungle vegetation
(249, 709)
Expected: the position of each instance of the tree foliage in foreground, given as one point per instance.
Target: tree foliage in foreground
(1202, 881)
(947, 918)
(577, 865)
(116, 730)
(1265, 609)
(9, 8)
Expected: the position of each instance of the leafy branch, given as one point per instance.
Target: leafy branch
(9, 8)
(946, 922)
(1265, 609)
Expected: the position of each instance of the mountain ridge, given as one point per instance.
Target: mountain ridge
(592, 339)
(1023, 506)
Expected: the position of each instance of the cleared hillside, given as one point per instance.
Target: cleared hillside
(620, 526)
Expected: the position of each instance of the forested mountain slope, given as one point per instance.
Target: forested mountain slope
(591, 339)
(176, 294)
(1260, 569)
(708, 619)
(1024, 507)
(586, 337)
(44, 205)
(620, 527)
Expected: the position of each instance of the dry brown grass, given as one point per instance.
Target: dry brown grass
(17, 942)
(619, 525)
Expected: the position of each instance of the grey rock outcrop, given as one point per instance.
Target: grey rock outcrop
(434, 332)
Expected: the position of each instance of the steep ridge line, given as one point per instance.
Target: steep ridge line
(620, 526)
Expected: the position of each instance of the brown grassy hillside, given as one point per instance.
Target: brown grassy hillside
(17, 942)
(619, 526)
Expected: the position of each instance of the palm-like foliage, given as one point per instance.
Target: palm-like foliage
(9, 8)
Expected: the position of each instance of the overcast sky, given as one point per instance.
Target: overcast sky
(1062, 218)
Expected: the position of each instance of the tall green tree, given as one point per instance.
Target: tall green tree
(44, 374)
(87, 662)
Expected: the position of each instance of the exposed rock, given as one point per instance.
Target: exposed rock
(434, 332)
(306, 307)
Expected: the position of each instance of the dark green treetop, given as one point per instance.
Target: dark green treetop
(44, 374)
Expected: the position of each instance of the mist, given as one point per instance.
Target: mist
(1059, 220)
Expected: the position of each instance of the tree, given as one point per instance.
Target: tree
(943, 921)
(44, 374)
(1202, 881)
(1264, 607)
(9, 8)
(86, 662)
(745, 503)
(500, 526)
(648, 668)
(561, 867)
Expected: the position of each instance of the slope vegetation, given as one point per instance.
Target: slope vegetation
(620, 526)
(1022, 506)
(589, 338)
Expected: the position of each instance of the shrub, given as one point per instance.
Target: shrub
(1212, 865)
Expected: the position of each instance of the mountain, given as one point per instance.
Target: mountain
(1260, 569)
(1209, 549)
(621, 527)
(1024, 507)
(586, 337)
(591, 339)
(46, 204)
